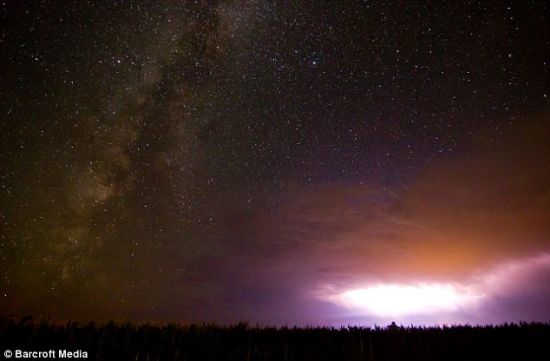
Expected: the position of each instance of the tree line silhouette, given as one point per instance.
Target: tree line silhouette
(116, 341)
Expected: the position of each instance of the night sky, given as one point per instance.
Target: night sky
(277, 162)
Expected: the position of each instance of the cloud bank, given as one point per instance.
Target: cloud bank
(460, 221)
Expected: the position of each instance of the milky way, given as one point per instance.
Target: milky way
(248, 160)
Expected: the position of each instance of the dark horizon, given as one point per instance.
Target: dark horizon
(300, 163)
(240, 342)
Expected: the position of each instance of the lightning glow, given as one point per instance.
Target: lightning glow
(426, 299)
(397, 300)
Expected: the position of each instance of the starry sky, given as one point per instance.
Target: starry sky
(189, 161)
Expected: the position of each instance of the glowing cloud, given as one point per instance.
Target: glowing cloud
(396, 300)
(439, 301)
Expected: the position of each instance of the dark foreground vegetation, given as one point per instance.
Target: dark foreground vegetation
(146, 342)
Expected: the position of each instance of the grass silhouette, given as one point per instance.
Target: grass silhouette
(112, 341)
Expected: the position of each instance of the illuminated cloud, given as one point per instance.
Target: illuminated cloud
(398, 300)
(472, 300)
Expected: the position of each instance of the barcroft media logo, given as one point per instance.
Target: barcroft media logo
(45, 354)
